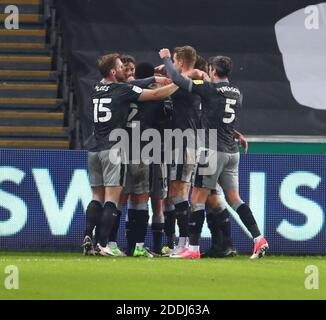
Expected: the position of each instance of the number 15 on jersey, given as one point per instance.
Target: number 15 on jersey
(99, 107)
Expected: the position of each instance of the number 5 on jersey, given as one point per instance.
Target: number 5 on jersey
(99, 107)
(229, 109)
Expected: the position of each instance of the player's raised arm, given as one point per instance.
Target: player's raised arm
(199, 87)
(158, 94)
(173, 73)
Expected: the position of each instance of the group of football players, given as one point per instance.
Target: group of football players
(186, 95)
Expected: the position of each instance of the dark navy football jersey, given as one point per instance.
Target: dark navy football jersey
(147, 113)
(221, 104)
(110, 103)
(185, 105)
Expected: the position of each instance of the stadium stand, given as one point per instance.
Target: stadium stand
(35, 95)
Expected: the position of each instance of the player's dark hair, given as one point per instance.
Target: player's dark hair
(222, 65)
(186, 53)
(144, 70)
(201, 64)
(107, 62)
(126, 58)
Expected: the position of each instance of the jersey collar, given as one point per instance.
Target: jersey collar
(105, 81)
(222, 81)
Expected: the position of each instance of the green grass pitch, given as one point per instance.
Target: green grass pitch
(72, 276)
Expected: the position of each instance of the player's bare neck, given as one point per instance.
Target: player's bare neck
(184, 70)
(108, 80)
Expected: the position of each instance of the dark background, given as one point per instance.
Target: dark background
(242, 29)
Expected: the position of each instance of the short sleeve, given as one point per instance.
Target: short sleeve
(130, 92)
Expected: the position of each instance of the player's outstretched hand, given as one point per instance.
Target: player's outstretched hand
(198, 74)
(165, 53)
(163, 80)
(160, 69)
(242, 141)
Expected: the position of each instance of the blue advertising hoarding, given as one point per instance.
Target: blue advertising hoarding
(44, 195)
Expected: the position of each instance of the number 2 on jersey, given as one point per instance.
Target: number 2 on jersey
(133, 112)
(99, 107)
(229, 109)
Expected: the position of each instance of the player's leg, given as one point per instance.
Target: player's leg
(204, 183)
(229, 182)
(94, 210)
(108, 219)
(93, 217)
(129, 226)
(138, 215)
(113, 244)
(138, 207)
(169, 226)
(95, 207)
(158, 193)
(169, 219)
(219, 224)
(196, 221)
(113, 177)
(179, 193)
(157, 224)
(179, 187)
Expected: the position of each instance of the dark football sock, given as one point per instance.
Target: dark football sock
(157, 230)
(130, 231)
(93, 215)
(169, 227)
(248, 220)
(141, 223)
(224, 223)
(196, 221)
(182, 215)
(215, 229)
(109, 216)
(114, 232)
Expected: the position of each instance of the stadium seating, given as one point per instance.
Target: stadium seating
(32, 105)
